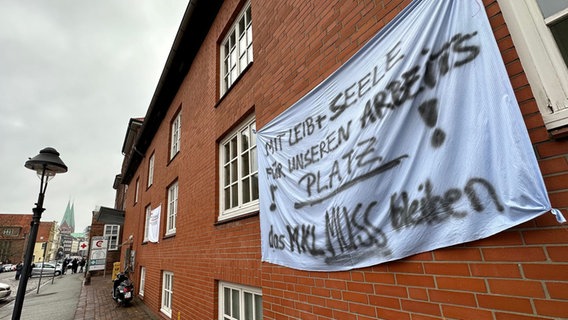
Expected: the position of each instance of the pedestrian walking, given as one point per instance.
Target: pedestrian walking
(19, 268)
(65, 264)
(82, 264)
(74, 265)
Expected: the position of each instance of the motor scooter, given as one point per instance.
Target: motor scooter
(123, 289)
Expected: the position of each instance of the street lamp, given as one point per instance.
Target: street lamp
(47, 163)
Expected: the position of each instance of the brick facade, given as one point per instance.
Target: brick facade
(521, 273)
(15, 229)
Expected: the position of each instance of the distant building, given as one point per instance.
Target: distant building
(14, 231)
(108, 223)
(66, 228)
(47, 242)
(68, 222)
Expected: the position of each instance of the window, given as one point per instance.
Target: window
(555, 14)
(111, 233)
(148, 213)
(167, 293)
(175, 138)
(142, 281)
(150, 171)
(136, 191)
(11, 231)
(239, 302)
(172, 208)
(239, 172)
(236, 49)
(539, 30)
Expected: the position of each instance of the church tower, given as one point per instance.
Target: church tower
(67, 225)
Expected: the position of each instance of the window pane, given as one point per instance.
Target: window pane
(227, 153)
(246, 190)
(242, 26)
(560, 32)
(248, 306)
(227, 49)
(227, 173)
(233, 58)
(254, 161)
(249, 36)
(244, 139)
(254, 186)
(245, 164)
(232, 38)
(227, 293)
(243, 62)
(235, 195)
(226, 66)
(234, 74)
(234, 171)
(248, 15)
(236, 310)
(550, 7)
(258, 307)
(227, 198)
(242, 45)
(234, 147)
(253, 134)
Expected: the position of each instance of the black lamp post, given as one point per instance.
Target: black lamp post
(47, 163)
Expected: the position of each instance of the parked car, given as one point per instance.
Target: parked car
(48, 269)
(5, 290)
(8, 267)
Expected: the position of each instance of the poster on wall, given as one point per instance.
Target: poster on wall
(415, 143)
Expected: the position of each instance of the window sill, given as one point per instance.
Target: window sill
(559, 133)
(236, 218)
(168, 236)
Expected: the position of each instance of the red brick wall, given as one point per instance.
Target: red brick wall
(521, 273)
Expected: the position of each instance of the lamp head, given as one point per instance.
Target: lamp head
(48, 160)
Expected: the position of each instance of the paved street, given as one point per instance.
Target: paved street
(67, 299)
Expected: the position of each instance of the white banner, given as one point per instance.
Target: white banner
(154, 225)
(416, 143)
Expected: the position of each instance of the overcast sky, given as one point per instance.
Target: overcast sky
(72, 74)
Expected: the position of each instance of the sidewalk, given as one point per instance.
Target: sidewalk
(96, 302)
(54, 301)
(68, 299)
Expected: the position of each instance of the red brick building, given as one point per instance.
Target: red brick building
(201, 259)
(15, 229)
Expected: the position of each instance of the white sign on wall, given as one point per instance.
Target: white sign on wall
(415, 143)
(99, 246)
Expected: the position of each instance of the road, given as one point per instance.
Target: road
(9, 278)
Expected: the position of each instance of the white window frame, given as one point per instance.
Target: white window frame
(151, 171)
(175, 136)
(543, 64)
(113, 244)
(147, 215)
(142, 281)
(173, 192)
(137, 191)
(236, 49)
(241, 206)
(241, 289)
(167, 293)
